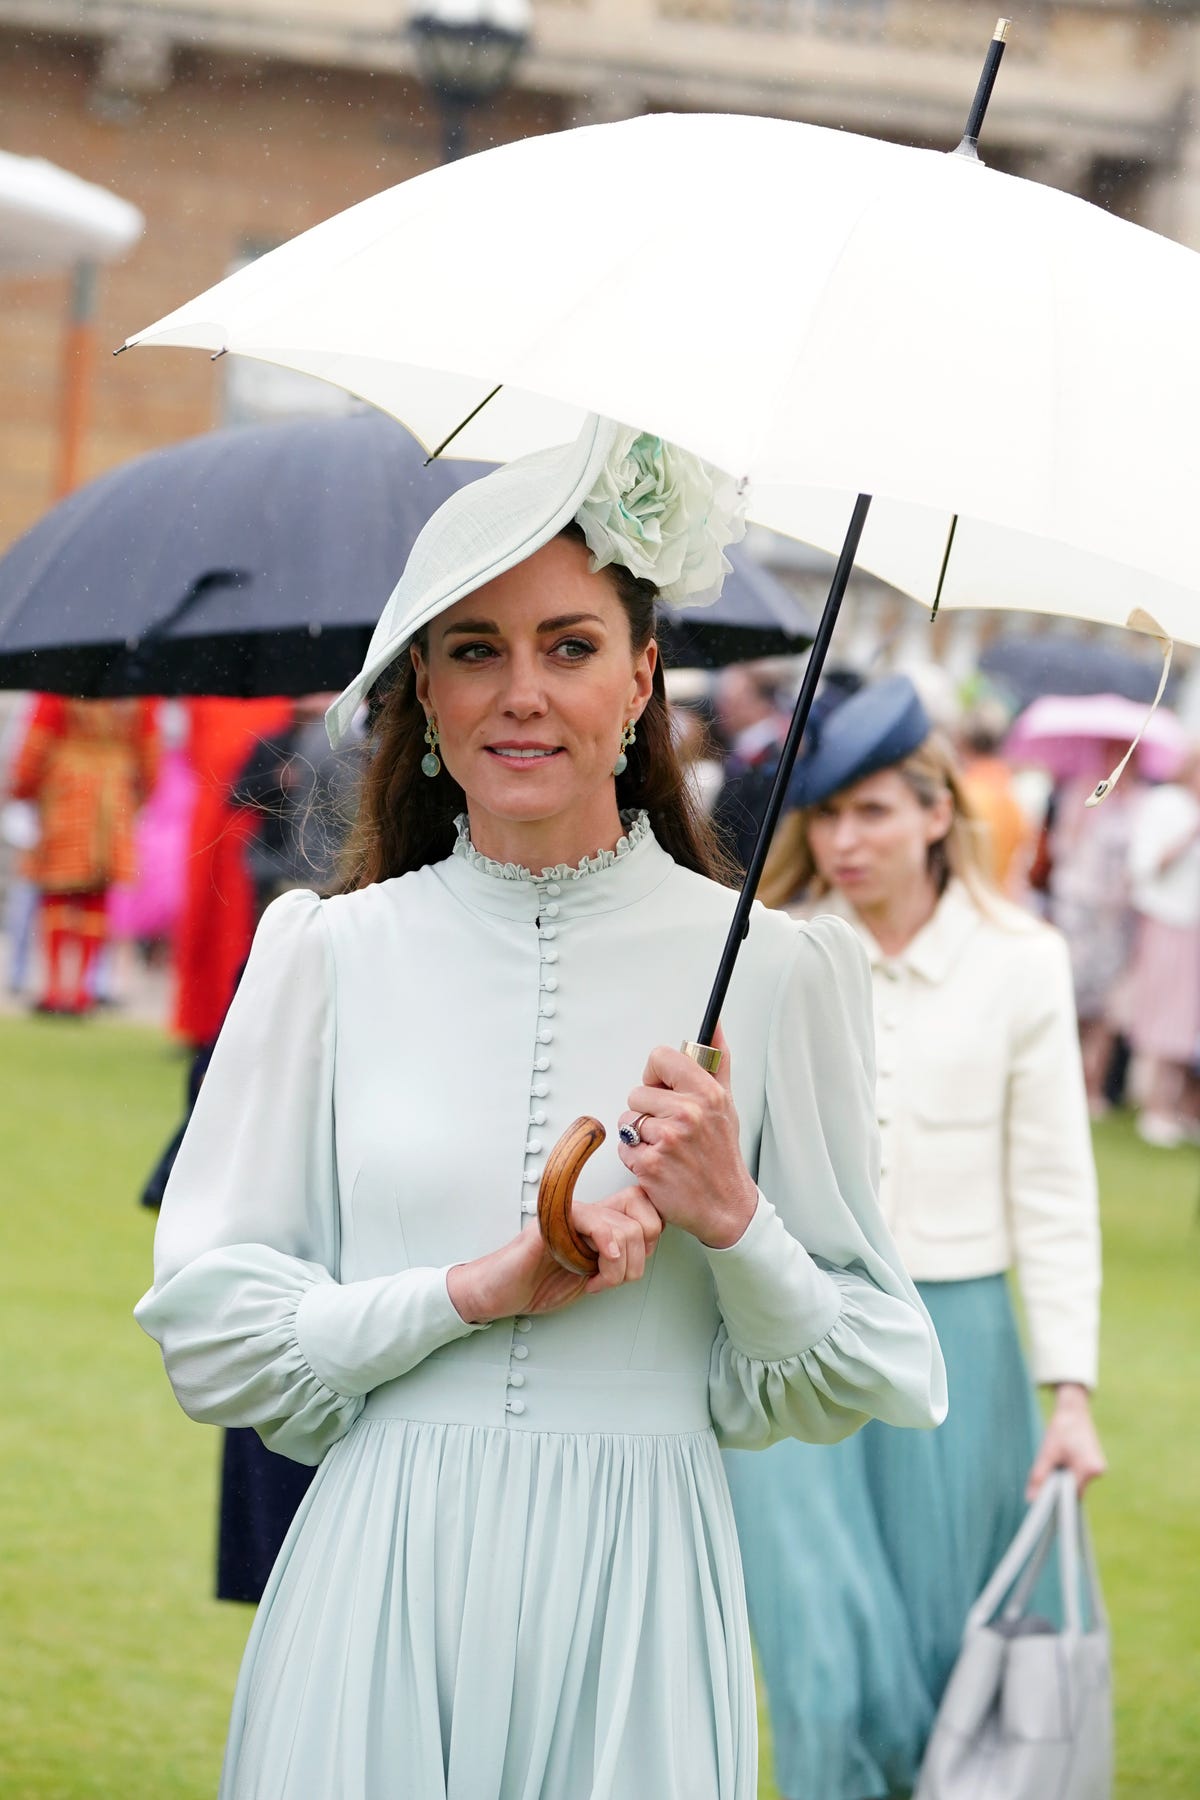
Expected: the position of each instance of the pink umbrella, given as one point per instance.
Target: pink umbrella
(1074, 734)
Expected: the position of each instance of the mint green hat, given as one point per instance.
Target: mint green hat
(658, 510)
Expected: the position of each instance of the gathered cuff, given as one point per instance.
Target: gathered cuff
(775, 1301)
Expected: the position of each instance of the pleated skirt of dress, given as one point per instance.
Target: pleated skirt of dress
(462, 1612)
(862, 1559)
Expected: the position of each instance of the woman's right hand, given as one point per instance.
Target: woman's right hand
(521, 1277)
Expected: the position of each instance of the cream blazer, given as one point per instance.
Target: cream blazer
(986, 1149)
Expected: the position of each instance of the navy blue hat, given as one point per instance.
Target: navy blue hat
(875, 729)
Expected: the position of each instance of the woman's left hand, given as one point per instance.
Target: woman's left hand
(1070, 1442)
(689, 1162)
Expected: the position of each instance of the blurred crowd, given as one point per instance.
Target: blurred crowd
(151, 834)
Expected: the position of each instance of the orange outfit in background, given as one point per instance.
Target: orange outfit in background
(989, 788)
(87, 765)
(217, 920)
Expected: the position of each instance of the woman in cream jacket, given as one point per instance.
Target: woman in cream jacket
(986, 1166)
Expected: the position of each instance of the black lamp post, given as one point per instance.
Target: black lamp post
(466, 51)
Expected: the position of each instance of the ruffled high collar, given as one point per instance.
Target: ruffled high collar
(637, 827)
(606, 882)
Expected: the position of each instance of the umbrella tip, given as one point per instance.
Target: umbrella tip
(217, 354)
(1003, 27)
(119, 349)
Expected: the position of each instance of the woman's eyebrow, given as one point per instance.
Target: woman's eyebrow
(473, 628)
(565, 619)
(488, 627)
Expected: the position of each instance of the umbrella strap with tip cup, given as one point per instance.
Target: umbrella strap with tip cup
(1138, 621)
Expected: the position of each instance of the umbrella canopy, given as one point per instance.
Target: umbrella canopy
(1028, 666)
(1011, 373)
(50, 219)
(1073, 735)
(256, 561)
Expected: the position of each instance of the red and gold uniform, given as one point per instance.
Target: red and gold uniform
(87, 765)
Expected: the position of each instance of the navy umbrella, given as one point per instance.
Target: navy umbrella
(1028, 665)
(256, 560)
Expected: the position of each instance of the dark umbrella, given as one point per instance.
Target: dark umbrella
(1028, 665)
(256, 561)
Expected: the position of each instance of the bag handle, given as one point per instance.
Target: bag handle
(1037, 1524)
(1055, 1513)
(1068, 1547)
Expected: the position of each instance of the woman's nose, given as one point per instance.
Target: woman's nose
(524, 693)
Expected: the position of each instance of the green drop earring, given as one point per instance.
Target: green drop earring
(431, 763)
(628, 737)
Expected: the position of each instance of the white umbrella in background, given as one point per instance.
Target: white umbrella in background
(51, 221)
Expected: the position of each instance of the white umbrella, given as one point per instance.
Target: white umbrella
(1011, 374)
(820, 313)
(51, 219)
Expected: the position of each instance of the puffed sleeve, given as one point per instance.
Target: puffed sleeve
(821, 1328)
(1053, 1209)
(254, 1327)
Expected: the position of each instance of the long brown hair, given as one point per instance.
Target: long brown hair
(931, 771)
(406, 821)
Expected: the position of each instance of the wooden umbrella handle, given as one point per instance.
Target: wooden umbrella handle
(557, 1191)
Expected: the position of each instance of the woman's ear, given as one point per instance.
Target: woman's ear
(644, 666)
(421, 672)
(938, 819)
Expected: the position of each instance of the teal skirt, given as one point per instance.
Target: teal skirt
(862, 1559)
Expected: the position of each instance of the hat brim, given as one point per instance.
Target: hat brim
(486, 528)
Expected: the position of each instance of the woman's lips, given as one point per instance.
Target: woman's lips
(523, 755)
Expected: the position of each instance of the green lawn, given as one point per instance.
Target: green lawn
(115, 1666)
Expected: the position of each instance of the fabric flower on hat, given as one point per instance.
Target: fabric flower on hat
(664, 515)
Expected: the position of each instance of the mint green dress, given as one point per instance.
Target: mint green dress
(516, 1574)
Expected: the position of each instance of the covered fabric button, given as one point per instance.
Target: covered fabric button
(551, 910)
(523, 1324)
(516, 1378)
(538, 1117)
(541, 1062)
(534, 1147)
(540, 1088)
(520, 1351)
(550, 983)
(529, 1206)
(531, 1177)
(550, 956)
(516, 1406)
(552, 887)
(548, 931)
(547, 1009)
(545, 1036)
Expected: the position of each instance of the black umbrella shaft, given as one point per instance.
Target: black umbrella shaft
(740, 926)
(987, 81)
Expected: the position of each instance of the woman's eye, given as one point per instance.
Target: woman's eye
(575, 649)
(473, 652)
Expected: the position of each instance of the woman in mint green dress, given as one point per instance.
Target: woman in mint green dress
(862, 1560)
(516, 1572)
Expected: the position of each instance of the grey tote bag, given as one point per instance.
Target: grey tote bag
(1027, 1714)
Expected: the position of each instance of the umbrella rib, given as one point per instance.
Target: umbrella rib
(434, 454)
(941, 580)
